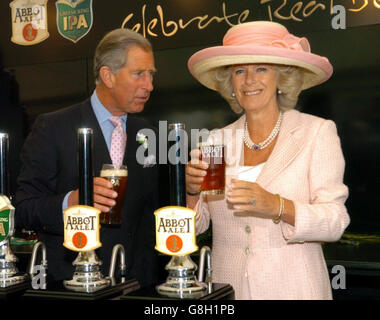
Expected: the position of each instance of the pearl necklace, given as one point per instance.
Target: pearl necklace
(251, 145)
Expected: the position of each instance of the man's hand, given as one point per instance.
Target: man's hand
(103, 195)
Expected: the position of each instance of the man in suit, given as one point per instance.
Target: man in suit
(48, 182)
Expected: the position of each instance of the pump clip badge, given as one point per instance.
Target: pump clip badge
(175, 231)
(6, 219)
(74, 18)
(29, 21)
(81, 228)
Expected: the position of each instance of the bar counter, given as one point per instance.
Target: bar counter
(359, 255)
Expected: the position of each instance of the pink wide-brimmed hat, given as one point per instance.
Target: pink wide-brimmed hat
(260, 42)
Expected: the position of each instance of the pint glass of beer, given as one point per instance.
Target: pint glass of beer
(213, 154)
(118, 177)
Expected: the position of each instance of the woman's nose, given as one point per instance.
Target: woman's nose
(250, 77)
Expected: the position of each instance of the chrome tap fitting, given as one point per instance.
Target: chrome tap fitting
(205, 252)
(123, 268)
(33, 258)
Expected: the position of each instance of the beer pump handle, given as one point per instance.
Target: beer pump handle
(177, 167)
(85, 165)
(4, 179)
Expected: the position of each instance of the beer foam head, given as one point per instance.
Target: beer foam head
(114, 173)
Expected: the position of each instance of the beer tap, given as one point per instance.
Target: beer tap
(118, 248)
(181, 281)
(177, 161)
(44, 263)
(87, 276)
(9, 274)
(205, 254)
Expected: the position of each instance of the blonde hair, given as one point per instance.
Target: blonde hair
(111, 50)
(289, 82)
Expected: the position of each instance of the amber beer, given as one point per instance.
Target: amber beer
(214, 181)
(118, 177)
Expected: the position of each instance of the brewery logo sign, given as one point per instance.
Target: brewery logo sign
(81, 228)
(6, 219)
(29, 21)
(74, 18)
(175, 231)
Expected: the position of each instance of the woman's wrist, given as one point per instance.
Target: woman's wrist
(288, 211)
(192, 199)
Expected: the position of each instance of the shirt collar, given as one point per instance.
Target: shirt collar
(101, 112)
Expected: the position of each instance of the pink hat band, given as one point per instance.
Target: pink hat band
(268, 36)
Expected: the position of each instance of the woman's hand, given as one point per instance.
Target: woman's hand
(195, 172)
(251, 199)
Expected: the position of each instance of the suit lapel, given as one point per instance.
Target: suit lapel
(130, 154)
(135, 172)
(288, 145)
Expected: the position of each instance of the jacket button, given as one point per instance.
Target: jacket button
(247, 251)
(248, 229)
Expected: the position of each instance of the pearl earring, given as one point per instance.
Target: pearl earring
(279, 91)
(233, 95)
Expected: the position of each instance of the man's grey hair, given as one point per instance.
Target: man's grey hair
(111, 50)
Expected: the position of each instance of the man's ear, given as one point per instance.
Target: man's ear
(107, 76)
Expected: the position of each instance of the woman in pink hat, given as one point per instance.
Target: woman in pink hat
(288, 194)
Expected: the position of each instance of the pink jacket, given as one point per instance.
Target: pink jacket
(279, 261)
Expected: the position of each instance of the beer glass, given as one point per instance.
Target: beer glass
(213, 154)
(118, 177)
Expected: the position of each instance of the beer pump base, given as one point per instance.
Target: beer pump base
(12, 280)
(214, 291)
(87, 276)
(181, 282)
(55, 290)
(13, 287)
(79, 286)
(173, 290)
(9, 274)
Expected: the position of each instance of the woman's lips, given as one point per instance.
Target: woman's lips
(252, 92)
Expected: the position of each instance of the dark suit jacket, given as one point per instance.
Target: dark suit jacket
(50, 170)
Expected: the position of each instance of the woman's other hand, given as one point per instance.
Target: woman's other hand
(251, 198)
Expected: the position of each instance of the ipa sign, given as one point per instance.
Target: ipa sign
(74, 18)
(175, 231)
(81, 228)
